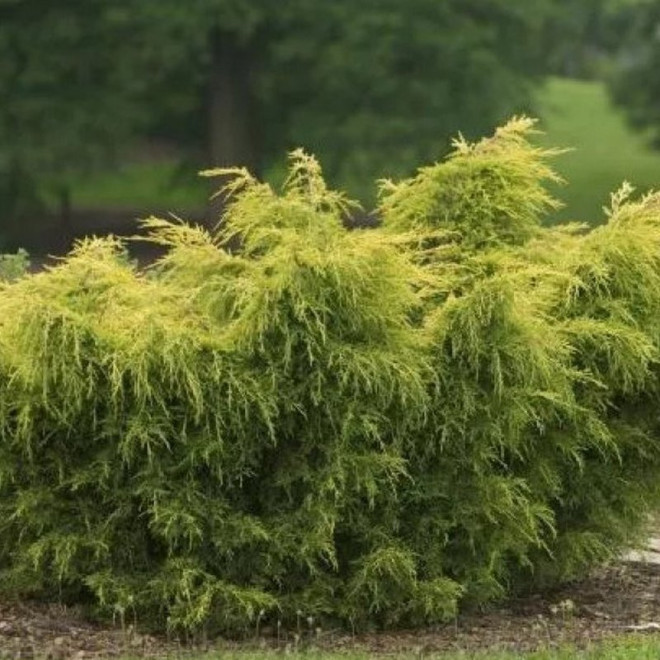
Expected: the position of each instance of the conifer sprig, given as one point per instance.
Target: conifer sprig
(286, 419)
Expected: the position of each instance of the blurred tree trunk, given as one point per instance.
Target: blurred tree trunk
(65, 209)
(19, 202)
(232, 131)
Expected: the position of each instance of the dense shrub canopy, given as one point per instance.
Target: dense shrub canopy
(286, 418)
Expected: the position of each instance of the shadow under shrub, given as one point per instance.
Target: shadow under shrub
(368, 426)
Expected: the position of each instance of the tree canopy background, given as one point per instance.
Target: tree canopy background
(372, 88)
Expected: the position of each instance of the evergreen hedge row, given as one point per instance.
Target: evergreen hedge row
(285, 418)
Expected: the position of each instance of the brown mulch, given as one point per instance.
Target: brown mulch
(55, 632)
(619, 599)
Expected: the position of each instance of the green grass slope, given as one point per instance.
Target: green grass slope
(149, 185)
(605, 150)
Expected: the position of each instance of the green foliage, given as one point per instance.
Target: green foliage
(634, 81)
(486, 193)
(393, 82)
(540, 446)
(71, 98)
(285, 418)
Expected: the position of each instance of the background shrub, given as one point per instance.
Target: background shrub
(285, 418)
(13, 266)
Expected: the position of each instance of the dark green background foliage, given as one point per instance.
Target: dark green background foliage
(369, 426)
(635, 83)
(238, 82)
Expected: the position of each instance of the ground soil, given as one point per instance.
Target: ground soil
(623, 598)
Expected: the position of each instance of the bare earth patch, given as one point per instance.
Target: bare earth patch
(622, 598)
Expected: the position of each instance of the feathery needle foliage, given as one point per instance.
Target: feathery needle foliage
(284, 417)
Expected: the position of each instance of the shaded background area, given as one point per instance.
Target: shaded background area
(110, 107)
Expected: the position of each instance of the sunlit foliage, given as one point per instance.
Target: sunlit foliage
(284, 418)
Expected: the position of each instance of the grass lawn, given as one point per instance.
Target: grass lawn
(579, 115)
(629, 649)
(161, 184)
